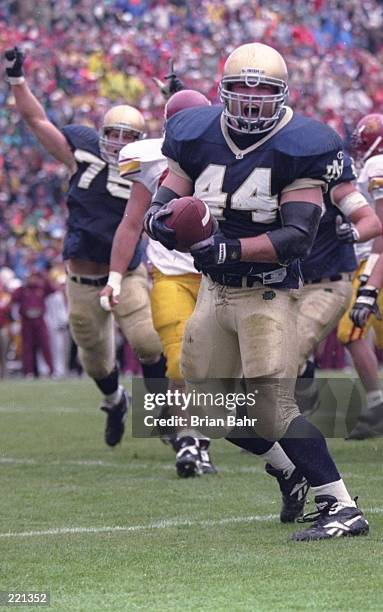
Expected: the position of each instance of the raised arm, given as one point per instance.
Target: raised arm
(33, 112)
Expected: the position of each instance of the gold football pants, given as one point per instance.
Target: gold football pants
(173, 300)
(320, 307)
(250, 332)
(93, 328)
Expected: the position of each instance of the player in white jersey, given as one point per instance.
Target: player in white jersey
(175, 279)
(368, 149)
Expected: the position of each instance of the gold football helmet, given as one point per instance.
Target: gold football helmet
(121, 124)
(253, 64)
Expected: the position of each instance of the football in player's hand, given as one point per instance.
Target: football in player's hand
(191, 220)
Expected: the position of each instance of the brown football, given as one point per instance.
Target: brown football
(192, 221)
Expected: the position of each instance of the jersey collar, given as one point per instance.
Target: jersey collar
(240, 153)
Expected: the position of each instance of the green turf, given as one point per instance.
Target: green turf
(201, 544)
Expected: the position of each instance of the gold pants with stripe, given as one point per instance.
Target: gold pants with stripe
(173, 299)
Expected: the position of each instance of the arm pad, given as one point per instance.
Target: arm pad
(164, 195)
(294, 240)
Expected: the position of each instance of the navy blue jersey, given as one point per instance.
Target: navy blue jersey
(243, 186)
(329, 256)
(96, 200)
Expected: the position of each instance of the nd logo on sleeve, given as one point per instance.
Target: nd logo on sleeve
(335, 169)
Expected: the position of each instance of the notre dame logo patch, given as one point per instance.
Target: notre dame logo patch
(269, 295)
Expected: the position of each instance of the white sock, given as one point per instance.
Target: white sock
(337, 489)
(114, 398)
(277, 457)
(374, 398)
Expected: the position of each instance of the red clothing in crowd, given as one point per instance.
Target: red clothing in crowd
(5, 309)
(34, 332)
(31, 297)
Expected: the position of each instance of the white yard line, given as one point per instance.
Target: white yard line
(166, 524)
(223, 468)
(125, 466)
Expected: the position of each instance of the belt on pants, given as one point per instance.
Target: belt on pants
(330, 279)
(234, 280)
(85, 280)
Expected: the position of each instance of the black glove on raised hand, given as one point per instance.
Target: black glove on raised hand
(215, 250)
(173, 84)
(346, 231)
(365, 305)
(154, 226)
(14, 59)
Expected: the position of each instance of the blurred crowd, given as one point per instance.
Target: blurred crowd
(83, 55)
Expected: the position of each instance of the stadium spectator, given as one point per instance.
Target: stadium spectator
(5, 321)
(57, 320)
(31, 298)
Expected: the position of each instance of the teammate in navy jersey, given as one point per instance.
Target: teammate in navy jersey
(327, 273)
(96, 202)
(325, 296)
(261, 169)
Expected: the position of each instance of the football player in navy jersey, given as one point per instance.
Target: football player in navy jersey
(325, 296)
(96, 201)
(327, 272)
(261, 168)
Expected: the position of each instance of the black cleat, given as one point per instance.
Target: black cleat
(115, 421)
(188, 458)
(369, 424)
(207, 465)
(333, 519)
(294, 489)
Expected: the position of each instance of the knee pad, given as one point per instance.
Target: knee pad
(84, 331)
(267, 335)
(144, 340)
(275, 407)
(134, 317)
(95, 344)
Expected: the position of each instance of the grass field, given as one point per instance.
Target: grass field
(115, 529)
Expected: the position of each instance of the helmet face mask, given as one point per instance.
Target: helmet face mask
(367, 138)
(121, 125)
(253, 66)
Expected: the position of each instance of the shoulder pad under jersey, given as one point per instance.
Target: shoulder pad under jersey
(373, 172)
(143, 162)
(305, 137)
(82, 137)
(140, 151)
